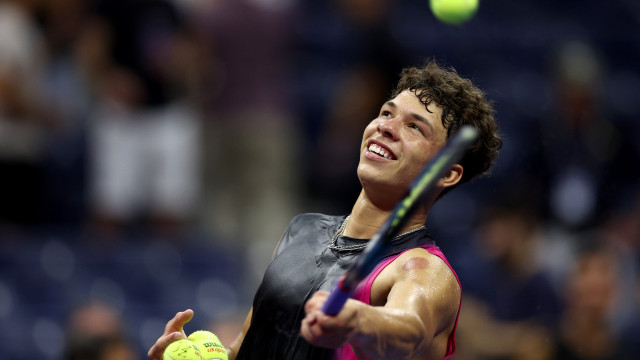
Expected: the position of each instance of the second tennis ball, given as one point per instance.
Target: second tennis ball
(202, 334)
(212, 349)
(209, 344)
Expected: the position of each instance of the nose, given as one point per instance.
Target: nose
(389, 128)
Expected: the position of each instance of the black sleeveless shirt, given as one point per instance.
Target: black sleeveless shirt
(303, 264)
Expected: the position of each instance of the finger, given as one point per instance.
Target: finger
(304, 330)
(310, 329)
(311, 306)
(321, 297)
(344, 319)
(178, 321)
(316, 301)
(326, 322)
(157, 350)
(310, 319)
(318, 336)
(306, 324)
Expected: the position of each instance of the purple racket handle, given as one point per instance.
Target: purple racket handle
(336, 300)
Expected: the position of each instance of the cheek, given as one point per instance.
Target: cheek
(419, 154)
(369, 131)
(372, 127)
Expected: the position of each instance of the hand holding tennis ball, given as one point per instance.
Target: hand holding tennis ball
(183, 350)
(453, 12)
(209, 344)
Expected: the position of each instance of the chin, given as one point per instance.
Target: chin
(366, 175)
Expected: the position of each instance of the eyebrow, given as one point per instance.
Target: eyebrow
(418, 117)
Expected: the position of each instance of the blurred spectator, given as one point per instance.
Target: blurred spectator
(621, 234)
(509, 306)
(100, 348)
(94, 319)
(68, 99)
(22, 121)
(583, 151)
(347, 61)
(144, 131)
(585, 329)
(252, 138)
(332, 182)
(95, 332)
(631, 333)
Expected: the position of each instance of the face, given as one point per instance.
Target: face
(592, 286)
(399, 142)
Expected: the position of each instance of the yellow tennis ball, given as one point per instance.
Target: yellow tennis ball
(212, 349)
(454, 11)
(202, 334)
(182, 350)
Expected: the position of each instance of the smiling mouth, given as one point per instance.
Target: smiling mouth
(380, 151)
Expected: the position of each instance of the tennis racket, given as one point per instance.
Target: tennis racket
(422, 186)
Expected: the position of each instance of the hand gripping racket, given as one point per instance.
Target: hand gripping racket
(423, 185)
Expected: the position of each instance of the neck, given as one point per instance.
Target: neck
(367, 217)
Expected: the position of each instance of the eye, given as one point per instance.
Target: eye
(415, 126)
(385, 113)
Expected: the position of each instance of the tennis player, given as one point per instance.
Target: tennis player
(408, 307)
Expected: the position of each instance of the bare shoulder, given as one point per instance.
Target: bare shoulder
(430, 276)
(434, 284)
(422, 266)
(422, 271)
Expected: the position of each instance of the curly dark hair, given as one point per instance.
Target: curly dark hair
(462, 103)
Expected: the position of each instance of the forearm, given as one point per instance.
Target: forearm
(419, 313)
(384, 333)
(231, 353)
(234, 347)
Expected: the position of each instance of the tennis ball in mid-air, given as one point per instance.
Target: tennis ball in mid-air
(182, 350)
(202, 334)
(212, 349)
(453, 11)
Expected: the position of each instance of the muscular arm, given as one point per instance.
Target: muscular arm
(413, 321)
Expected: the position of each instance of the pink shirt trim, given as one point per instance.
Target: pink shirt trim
(363, 293)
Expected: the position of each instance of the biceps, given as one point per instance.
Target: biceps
(411, 299)
(434, 306)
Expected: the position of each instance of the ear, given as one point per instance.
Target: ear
(452, 177)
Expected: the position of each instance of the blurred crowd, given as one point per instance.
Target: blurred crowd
(153, 151)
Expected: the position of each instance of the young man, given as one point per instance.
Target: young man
(408, 307)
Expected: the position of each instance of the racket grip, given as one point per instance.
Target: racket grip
(336, 300)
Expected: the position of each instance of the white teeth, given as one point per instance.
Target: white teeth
(380, 151)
